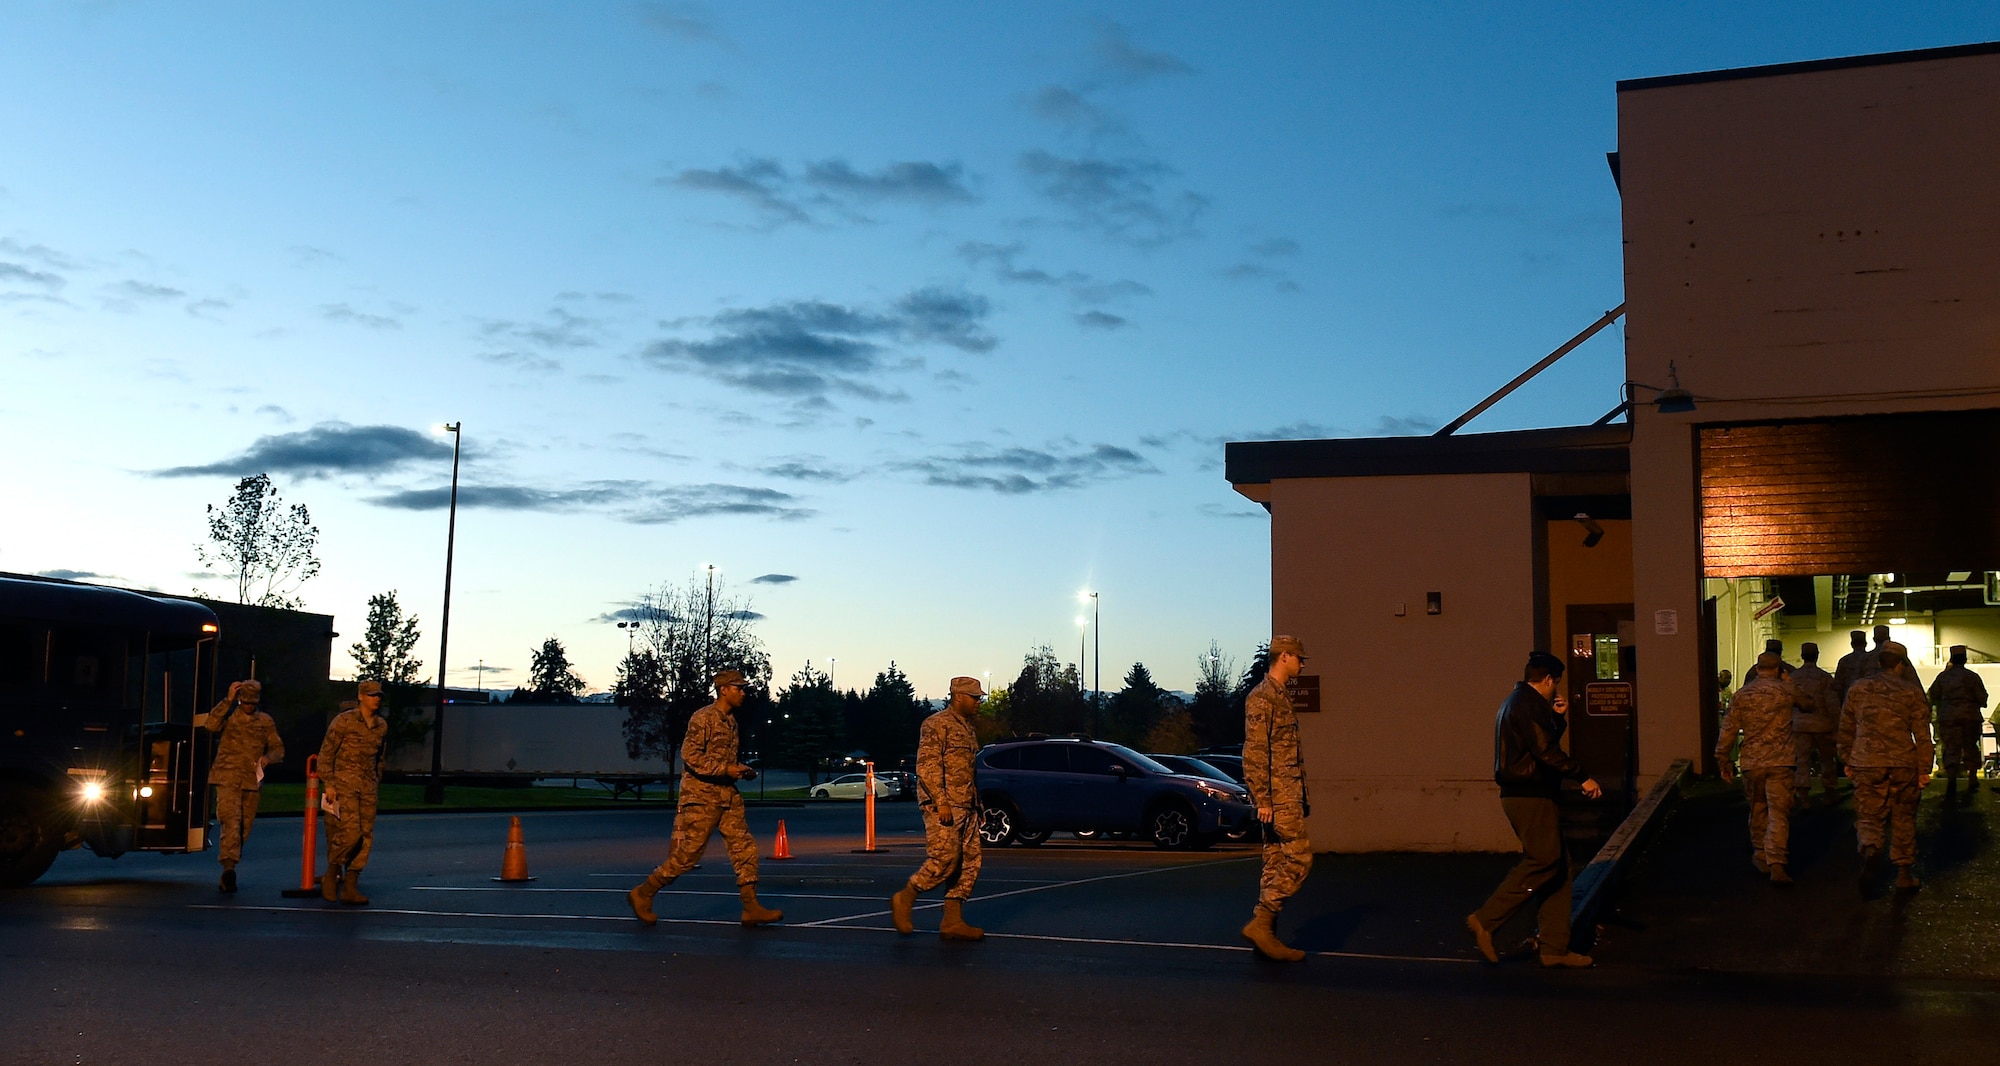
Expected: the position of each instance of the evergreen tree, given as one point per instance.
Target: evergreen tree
(888, 718)
(549, 675)
(1135, 708)
(805, 730)
(1047, 696)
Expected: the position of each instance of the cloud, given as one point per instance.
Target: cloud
(743, 615)
(1021, 470)
(773, 579)
(276, 412)
(562, 330)
(638, 502)
(1276, 247)
(39, 253)
(807, 350)
(71, 575)
(325, 450)
(1119, 199)
(1083, 288)
(828, 187)
(1067, 107)
(1253, 272)
(346, 313)
(630, 613)
(307, 255)
(1120, 59)
(686, 22)
(206, 308)
(805, 468)
(141, 290)
(14, 273)
(1216, 510)
(1100, 320)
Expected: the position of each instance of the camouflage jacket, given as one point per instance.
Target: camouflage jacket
(1818, 710)
(709, 754)
(1958, 693)
(1762, 712)
(1846, 672)
(351, 754)
(945, 748)
(1885, 722)
(1273, 767)
(248, 736)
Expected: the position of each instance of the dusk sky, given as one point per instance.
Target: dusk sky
(912, 319)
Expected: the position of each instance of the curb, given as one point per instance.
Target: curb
(625, 806)
(1593, 885)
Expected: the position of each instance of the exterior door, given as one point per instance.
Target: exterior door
(1602, 684)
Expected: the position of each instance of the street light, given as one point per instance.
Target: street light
(434, 788)
(1097, 652)
(832, 664)
(1082, 642)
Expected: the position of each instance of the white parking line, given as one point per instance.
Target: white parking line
(627, 920)
(1045, 888)
(621, 892)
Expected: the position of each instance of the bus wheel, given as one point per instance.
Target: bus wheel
(28, 840)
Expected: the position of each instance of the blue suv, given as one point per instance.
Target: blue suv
(1031, 788)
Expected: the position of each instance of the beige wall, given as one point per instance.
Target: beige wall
(1798, 246)
(1579, 575)
(1401, 755)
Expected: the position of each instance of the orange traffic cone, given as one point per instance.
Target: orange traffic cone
(514, 864)
(784, 848)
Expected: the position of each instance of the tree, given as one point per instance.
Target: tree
(1173, 734)
(1047, 696)
(383, 653)
(805, 730)
(267, 547)
(886, 719)
(1253, 675)
(641, 687)
(695, 632)
(1135, 708)
(1214, 722)
(549, 675)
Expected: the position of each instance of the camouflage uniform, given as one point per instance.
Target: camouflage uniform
(350, 759)
(1959, 694)
(1845, 673)
(1762, 713)
(1885, 740)
(1274, 770)
(950, 804)
(709, 799)
(249, 740)
(1813, 723)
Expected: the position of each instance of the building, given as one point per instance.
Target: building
(1811, 411)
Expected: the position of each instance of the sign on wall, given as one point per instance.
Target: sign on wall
(1304, 691)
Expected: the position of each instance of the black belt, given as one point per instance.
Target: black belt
(724, 780)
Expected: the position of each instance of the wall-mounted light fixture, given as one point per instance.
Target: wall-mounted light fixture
(1592, 532)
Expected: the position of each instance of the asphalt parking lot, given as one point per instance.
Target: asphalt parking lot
(1096, 952)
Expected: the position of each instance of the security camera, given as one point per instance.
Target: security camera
(1592, 531)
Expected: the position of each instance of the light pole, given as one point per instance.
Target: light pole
(479, 672)
(832, 664)
(434, 788)
(1082, 642)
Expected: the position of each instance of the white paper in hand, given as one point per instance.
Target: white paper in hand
(328, 806)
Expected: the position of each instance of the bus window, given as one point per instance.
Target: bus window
(20, 656)
(87, 663)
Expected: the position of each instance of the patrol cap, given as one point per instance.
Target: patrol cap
(1858, 637)
(250, 688)
(1774, 646)
(1281, 644)
(1958, 653)
(1892, 650)
(1882, 634)
(967, 686)
(730, 677)
(1809, 651)
(1768, 663)
(368, 688)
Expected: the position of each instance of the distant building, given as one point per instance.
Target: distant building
(1810, 265)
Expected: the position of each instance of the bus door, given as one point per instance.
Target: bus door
(172, 809)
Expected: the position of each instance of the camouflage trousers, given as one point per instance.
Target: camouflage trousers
(236, 809)
(1886, 792)
(698, 819)
(1288, 858)
(952, 855)
(1541, 877)
(350, 837)
(1809, 746)
(1769, 790)
(1958, 743)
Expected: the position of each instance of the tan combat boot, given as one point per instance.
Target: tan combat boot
(899, 909)
(1261, 933)
(755, 913)
(953, 926)
(641, 897)
(1907, 881)
(1778, 874)
(329, 885)
(350, 888)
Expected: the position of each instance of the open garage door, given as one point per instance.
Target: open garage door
(1859, 495)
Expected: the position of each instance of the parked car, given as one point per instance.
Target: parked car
(1200, 766)
(905, 784)
(1228, 764)
(1031, 788)
(855, 786)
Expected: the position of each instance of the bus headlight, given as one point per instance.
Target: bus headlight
(145, 792)
(93, 792)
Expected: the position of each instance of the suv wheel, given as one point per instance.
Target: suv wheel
(996, 826)
(1031, 837)
(1171, 826)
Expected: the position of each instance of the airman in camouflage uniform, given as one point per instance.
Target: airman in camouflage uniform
(949, 800)
(710, 801)
(248, 743)
(1274, 770)
(1848, 670)
(350, 769)
(1762, 713)
(1959, 694)
(1885, 740)
(1813, 722)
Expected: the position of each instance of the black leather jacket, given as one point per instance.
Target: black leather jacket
(1527, 758)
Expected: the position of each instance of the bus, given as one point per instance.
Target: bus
(99, 693)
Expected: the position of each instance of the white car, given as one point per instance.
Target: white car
(855, 786)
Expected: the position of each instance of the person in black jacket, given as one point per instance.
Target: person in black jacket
(1530, 766)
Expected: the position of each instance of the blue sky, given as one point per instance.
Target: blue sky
(940, 312)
